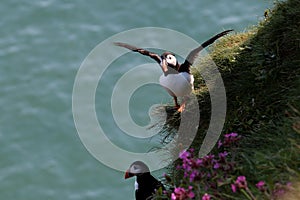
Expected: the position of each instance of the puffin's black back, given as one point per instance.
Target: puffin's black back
(147, 185)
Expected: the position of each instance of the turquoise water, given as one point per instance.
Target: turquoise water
(43, 44)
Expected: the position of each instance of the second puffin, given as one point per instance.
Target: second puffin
(176, 78)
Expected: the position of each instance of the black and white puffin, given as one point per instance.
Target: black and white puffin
(176, 78)
(145, 184)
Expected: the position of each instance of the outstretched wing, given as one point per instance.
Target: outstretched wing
(152, 55)
(193, 54)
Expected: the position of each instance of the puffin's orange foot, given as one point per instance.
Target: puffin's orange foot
(181, 108)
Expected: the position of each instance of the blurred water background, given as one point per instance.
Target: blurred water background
(43, 43)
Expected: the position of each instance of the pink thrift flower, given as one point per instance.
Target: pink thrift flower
(182, 194)
(219, 144)
(261, 186)
(179, 190)
(223, 155)
(199, 162)
(184, 154)
(173, 196)
(190, 194)
(230, 139)
(216, 165)
(233, 188)
(178, 194)
(241, 182)
(206, 197)
(233, 134)
(193, 175)
(208, 160)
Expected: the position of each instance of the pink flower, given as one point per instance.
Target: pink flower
(178, 194)
(182, 194)
(208, 160)
(241, 182)
(173, 196)
(179, 190)
(233, 188)
(191, 194)
(186, 166)
(219, 144)
(232, 135)
(216, 165)
(193, 175)
(199, 162)
(223, 155)
(261, 186)
(184, 154)
(206, 197)
(230, 139)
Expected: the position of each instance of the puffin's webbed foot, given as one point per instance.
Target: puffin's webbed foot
(181, 108)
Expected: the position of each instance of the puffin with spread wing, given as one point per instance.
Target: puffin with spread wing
(176, 78)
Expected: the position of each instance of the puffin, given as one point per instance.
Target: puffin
(176, 78)
(145, 184)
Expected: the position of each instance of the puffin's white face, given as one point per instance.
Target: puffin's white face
(138, 168)
(171, 59)
(135, 169)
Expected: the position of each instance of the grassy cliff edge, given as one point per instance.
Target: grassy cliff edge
(261, 72)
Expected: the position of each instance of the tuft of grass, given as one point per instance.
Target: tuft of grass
(261, 72)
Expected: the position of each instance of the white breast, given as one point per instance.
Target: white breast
(136, 185)
(178, 84)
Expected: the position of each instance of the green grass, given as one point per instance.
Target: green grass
(261, 72)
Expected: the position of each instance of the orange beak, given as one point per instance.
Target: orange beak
(128, 174)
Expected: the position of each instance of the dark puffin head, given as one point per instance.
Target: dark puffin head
(170, 61)
(137, 168)
(145, 184)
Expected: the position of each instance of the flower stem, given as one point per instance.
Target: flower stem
(247, 194)
(250, 193)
